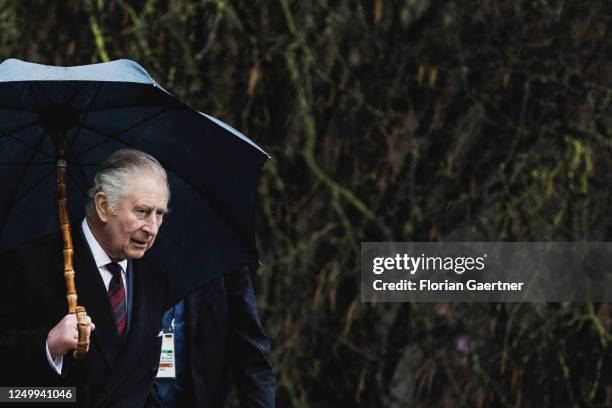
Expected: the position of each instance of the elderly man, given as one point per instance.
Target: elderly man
(124, 296)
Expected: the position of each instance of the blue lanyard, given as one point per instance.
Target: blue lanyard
(168, 321)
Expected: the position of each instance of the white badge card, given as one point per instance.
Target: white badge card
(167, 364)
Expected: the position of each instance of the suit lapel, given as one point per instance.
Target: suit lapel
(93, 295)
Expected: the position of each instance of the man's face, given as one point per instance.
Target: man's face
(131, 231)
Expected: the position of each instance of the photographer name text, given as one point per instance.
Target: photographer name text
(433, 286)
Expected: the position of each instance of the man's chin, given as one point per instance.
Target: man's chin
(136, 253)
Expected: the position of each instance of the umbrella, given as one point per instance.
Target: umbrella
(67, 120)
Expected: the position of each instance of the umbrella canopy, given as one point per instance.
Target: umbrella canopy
(213, 169)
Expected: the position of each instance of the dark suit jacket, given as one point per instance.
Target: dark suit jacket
(114, 373)
(225, 335)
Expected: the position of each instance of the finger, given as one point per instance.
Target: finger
(72, 322)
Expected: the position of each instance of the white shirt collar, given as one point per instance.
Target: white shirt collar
(99, 254)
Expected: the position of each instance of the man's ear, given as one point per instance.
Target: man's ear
(101, 203)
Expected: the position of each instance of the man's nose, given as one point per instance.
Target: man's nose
(151, 225)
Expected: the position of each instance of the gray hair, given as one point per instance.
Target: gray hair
(114, 175)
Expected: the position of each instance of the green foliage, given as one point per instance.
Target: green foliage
(409, 120)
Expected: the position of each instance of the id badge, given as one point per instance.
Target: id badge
(167, 364)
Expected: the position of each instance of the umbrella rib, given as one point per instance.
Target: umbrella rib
(137, 105)
(115, 136)
(24, 163)
(74, 95)
(12, 108)
(46, 163)
(44, 93)
(218, 208)
(84, 117)
(10, 132)
(109, 139)
(36, 148)
(79, 167)
(82, 173)
(33, 186)
(74, 181)
(22, 175)
(31, 89)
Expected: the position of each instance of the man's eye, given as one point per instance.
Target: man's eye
(141, 211)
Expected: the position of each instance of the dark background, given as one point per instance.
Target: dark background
(414, 120)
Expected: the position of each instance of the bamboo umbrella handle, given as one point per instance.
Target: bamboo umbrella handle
(71, 295)
(84, 332)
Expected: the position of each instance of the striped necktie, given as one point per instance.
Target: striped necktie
(116, 294)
